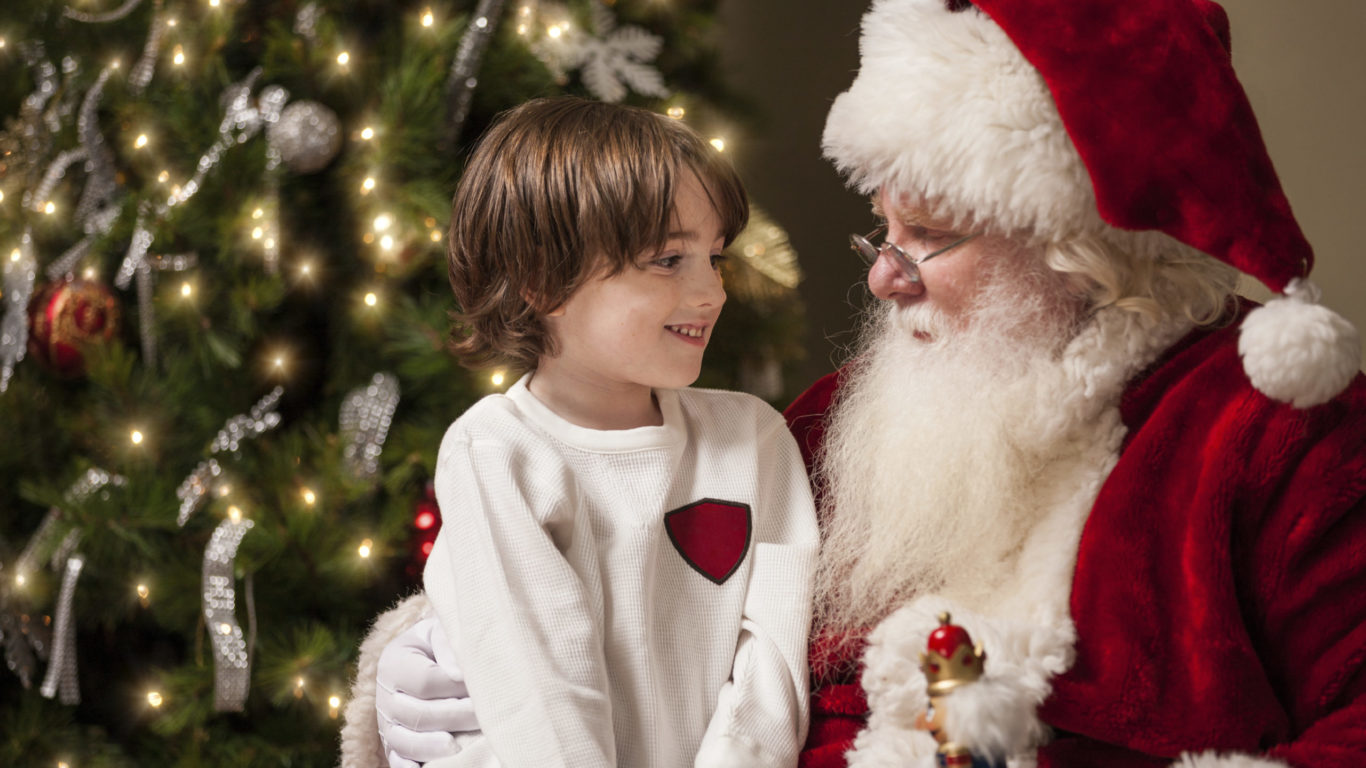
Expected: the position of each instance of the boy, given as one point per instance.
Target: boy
(624, 568)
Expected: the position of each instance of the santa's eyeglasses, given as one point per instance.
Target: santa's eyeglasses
(909, 267)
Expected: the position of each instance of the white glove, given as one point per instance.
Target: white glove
(420, 697)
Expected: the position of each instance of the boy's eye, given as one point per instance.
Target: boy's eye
(717, 259)
(668, 262)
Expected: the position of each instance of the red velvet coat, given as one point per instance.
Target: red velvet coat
(1219, 595)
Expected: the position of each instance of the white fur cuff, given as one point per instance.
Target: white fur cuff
(1228, 760)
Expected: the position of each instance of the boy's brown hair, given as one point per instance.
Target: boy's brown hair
(557, 191)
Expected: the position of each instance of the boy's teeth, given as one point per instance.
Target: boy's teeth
(696, 333)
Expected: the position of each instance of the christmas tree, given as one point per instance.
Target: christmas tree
(223, 376)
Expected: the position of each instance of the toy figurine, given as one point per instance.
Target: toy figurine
(950, 661)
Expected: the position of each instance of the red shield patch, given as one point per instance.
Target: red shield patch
(711, 535)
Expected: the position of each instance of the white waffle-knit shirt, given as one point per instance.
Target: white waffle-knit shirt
(591, 636)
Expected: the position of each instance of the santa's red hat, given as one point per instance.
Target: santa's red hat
(1122, 120)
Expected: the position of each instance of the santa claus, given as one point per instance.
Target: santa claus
(1140, 494)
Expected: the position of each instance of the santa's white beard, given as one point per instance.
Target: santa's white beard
(932, 449)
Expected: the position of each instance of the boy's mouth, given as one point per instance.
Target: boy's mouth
(693, 331)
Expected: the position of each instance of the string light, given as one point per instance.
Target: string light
(15, 255)
(676, 113)
(224, 489)
(343, 58)
(371, 299)
(367, 185)
(154, 698)
(333, 706)
(178, 56)
(164, 176)
(306, 269)
(481, 22)
(299, 688)
(364, 548)
(213, 3)
(382, 222)
(90, 273)
(186, 290)
(387, 243)
(436, 235)
(367, 133)
(2, 195)
(309, 497)
(235, 514)
(258, 213)
(368, 238)
(171, 22)
(497, 378)
(257, 233)
(50, 208)
(554, 32)
(20, 580)
(719, 143)
(140, 141)
(427, 18)
(144, 594)
(136, 437)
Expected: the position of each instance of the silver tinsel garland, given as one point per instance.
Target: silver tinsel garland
(19, 275)
(259, 420)
(463, 77)
(232, 661)
(366, 413)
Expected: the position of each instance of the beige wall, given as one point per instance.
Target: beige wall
(1302, 62)
(1303, 65)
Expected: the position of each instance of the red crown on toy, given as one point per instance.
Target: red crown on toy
(950, 659)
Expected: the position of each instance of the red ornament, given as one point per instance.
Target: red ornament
(66, 318)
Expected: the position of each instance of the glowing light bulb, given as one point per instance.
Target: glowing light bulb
(2, 195)
(436, 235)
(481, 22)
(305, 269)
(382, 222)
(50, 208)
(213, 3)
(136, 437)
(258, 213)
(719, 143)
(427, 18)
(371, 299)
(154, 698)
(15, 255)
(309, 497)
(224, 489)
(367, 133)
(257, 233)
(235, 514)
(367, 185)
(387, 243)
(343, 58)
(497, 378)
(333, 706)
(171, 22)
(178, 57)
(186, 290)
(279, 361)
(20, 580)
(143, 591)
(90, 273)
(140, 141)
(269, 243)
(364, 548)
(225, 628)
(676, 113)
(164, 176)
(554, 32)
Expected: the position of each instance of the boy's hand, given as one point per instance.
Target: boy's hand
(420, 697)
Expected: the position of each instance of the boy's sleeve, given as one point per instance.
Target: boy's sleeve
(525, 624)
(761, 717)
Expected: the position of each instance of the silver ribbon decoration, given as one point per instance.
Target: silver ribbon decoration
(463, 77)
(96, 210)
(366, 414)
(101, 18)
(232, 661)
(260, 419)
(19, 277)
(141, 73)
(146, 310)
(61, 670)
(241, 122)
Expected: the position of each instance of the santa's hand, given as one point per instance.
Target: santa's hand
(420, 697)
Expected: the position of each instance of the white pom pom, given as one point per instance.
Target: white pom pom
(1297, 351)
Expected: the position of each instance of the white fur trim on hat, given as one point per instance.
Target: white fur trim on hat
(1298, 351)
(946, 108)
(1229, 760)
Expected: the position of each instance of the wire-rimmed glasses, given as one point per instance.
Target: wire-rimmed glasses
(909, 267)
